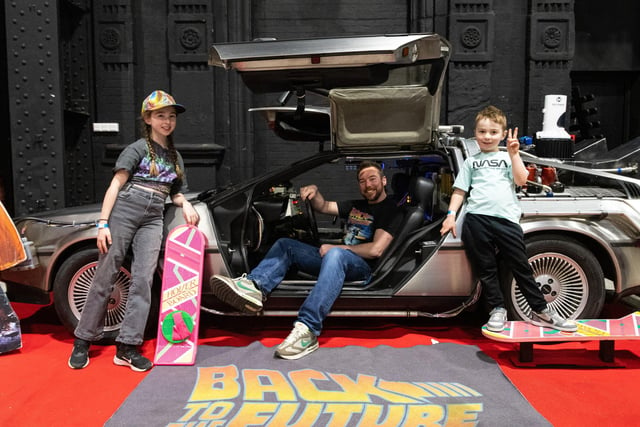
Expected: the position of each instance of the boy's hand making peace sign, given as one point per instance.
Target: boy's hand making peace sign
(513, 145)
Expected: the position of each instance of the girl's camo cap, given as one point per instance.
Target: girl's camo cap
(160, 99)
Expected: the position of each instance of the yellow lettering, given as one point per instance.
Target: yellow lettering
(424, 416)
(192, 410)
(342, 413)
(190, 424)
(286, 413)
(255, 413)
(465, 390)
(216, 383)
(304, 381)
(257, 382)
(217, 411)
(360, 390)
(434, 388)
(373, 416)
(463, 414)
(405, 389)
(364, 387)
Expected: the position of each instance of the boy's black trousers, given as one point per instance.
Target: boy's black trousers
(482, 236)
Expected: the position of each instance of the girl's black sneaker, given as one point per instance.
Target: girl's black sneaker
(80, 354)
(128, 355)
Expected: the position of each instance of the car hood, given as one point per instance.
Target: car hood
(82, 213)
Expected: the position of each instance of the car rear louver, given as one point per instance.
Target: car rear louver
(632, 190)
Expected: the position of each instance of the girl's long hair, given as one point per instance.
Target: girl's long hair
(173, 154)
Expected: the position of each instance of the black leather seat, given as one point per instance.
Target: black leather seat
(419, 204)
(417, 208)
(400, 187)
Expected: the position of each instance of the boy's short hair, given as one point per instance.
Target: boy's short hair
(369, 164)
(494, 114)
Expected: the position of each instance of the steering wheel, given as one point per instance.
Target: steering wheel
(313, 224)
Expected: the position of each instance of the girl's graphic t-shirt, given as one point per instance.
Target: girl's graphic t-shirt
(136, 159)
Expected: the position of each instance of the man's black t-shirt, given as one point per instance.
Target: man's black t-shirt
(363, 219)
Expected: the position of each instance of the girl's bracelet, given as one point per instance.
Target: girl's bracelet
(102, 225)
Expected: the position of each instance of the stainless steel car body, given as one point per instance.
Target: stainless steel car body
(51, 243)
(335, 52)
(382, 102)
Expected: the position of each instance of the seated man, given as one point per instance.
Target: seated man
(371, 225)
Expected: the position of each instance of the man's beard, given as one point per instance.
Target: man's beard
(372, 197)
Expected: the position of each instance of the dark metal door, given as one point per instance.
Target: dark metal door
(80, 70)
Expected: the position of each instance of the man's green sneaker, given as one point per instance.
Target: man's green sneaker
(240, 293)
(300, 342)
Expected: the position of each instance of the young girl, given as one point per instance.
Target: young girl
(145, 173)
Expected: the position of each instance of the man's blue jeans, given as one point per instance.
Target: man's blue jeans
(332, 270)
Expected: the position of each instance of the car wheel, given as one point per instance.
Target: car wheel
(569, 275)
(71, 288)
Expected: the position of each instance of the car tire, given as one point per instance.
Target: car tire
(569, 276)
(71, 288)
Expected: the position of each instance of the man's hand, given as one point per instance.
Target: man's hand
(308, 192)
(325, 248)
(318, 203)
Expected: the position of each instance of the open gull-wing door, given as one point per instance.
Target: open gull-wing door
(383, 91)
(289, 124)
(327, 63)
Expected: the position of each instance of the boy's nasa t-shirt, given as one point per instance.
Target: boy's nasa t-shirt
(487, 178)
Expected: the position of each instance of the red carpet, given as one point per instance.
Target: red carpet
(38, 387)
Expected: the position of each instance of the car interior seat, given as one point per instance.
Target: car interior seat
(400, 187)
(418, 206)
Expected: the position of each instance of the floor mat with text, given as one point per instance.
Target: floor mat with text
(443, 384)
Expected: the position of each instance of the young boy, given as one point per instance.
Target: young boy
(492, 220)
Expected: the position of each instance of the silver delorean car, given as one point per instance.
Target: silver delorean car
(374, 98)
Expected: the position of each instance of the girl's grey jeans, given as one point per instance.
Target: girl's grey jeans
(136, 223)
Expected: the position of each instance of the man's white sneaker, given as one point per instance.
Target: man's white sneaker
(240, 293)
(300, 342)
